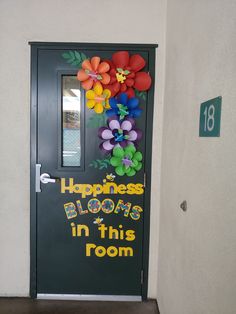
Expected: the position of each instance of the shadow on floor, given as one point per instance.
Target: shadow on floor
(29, 306)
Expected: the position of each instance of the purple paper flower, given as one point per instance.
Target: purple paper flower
(118, 134)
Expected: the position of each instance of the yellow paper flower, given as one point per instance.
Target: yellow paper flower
(98, 98)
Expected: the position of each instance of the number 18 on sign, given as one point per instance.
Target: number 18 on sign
(210, 114)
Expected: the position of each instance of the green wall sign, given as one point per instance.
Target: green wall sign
(210, 114)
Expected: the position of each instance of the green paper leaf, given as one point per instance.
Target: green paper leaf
(104, 164)
(119, 70)
(74, 57)
(126, 72)
(93, 164)
(78, 56)
(66, 55)
(96, 120)
(83, 56)
(72, 54)
(100, 163)
(142, 94)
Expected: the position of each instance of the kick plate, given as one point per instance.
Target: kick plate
(89, 297)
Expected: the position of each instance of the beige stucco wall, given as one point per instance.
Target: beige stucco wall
(197, 257)
(125, 21)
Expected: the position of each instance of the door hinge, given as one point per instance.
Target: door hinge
(144, 179)
(141, 277)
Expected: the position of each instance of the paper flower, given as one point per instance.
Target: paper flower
(124, 107)
(126, 160)
(125, 75)
(93, 71)
(98, 98)
(118, 134)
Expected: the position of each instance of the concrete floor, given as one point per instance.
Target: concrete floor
(29, 306)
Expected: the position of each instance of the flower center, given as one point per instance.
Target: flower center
(121, 75)
(127, 162)
(94, 75)
(120, 78)
(123, 111)
(100, 98)
(120, 136)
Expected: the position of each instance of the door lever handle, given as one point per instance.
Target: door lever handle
(45, 178)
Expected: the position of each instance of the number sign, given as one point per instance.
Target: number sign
(210, 114)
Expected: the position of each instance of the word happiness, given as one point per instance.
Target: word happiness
(96, 189)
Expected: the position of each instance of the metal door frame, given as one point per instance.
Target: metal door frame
(35, 47)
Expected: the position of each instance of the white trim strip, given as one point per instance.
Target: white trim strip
(89, 297)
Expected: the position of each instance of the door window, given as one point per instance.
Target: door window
(71, 116)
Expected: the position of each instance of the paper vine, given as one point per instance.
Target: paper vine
(100, 163)
(142, 95)
(96, 121)
(74, 57)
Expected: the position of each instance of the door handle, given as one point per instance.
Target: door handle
(45, 178)
(42, 178)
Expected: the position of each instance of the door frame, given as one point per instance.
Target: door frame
(35, 47)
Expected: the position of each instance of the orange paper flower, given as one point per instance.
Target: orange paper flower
(93, 71)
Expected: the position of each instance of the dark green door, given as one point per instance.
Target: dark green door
(92, 143)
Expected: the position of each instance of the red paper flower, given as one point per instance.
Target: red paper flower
(93, 71)
(125, 75)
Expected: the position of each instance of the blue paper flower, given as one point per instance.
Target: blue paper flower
(124, 107)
